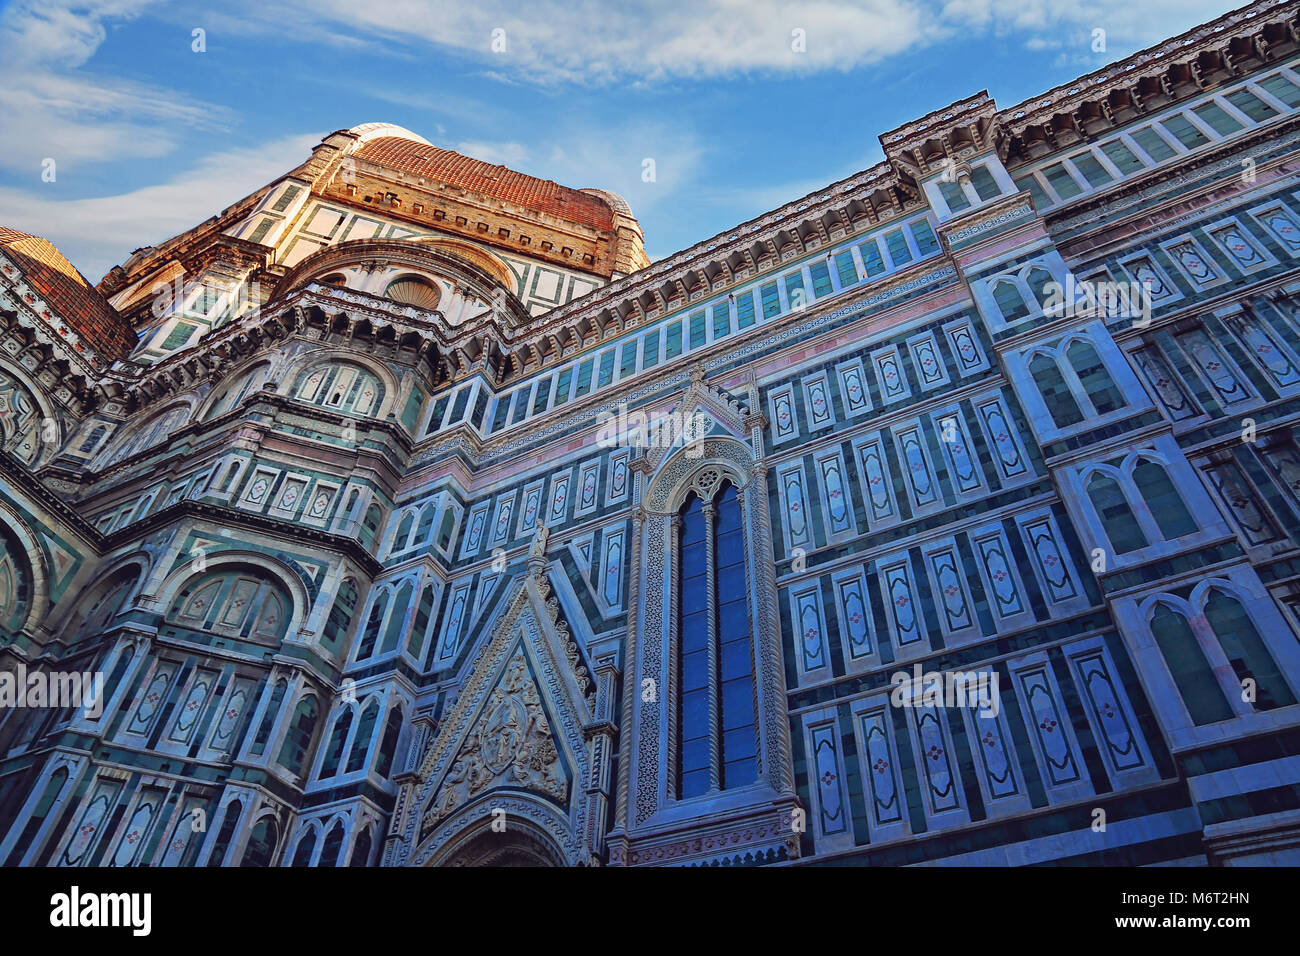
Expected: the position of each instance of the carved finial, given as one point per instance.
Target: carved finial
(697, 373)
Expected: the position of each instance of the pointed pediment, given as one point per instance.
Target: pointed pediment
(517, 725)
(711, 411)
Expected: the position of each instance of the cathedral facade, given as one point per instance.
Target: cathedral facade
(404, 513)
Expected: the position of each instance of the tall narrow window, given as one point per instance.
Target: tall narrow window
(717, 744)
(361, 849)
(1095, 379)
(334, 749)
(261, 843)
(1010, 302)
(306, 844)
(297, 739)
(1117, 517)
(329, 853)
(1191, 671)
(1246, 651)
(1060, 401)
(361, 742)
(222, 843)
(1162, 498)
(371, 633)
(388, 745)
(694, 759)
(336, 625)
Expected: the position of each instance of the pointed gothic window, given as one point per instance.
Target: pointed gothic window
(361, 849)
(1246, 651)
(306, 844)
(361, 742)
(329, 854)
(717, 741)
(261, 843)
(1094, 377)
(388, 746)
(1010, 302)
(337, 739)
(1060, 401)
(1117, 517)
(297, 740)
(1163, 500)
(1187, 664)
(340, 618)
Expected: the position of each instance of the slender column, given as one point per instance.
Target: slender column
(715, 711)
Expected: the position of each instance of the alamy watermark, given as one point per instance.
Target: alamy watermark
(624, 429)
(1103, 299)
(53, 689)
(976, 690)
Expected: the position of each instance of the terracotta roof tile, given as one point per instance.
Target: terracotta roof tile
(73, 298)
(499, 182)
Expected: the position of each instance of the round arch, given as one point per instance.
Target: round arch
(37, 563)
(536, 836)
(44, 408)
(281, 572)
(308, 360)
(677, 474)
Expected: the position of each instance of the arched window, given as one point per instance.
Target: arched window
(361, 849)
(337, 739)
(1187, 664)
(397, 618)
(403, 532)
(105, 607)
(306, 844)
(237, 601)
(261, 843)
(268, 718)
(22, 423)
(388, 744)
(371, 634)
(1117, 517)
(329, 854)
(340, 616)
(1093, 376)
(370, 526)
(1245, 650)
(222, 843)
(425, 526)
(1163, 500)
(297, 740)
(415, 643)
(1058, 398)
(15, 582)
(1010, 302)
(717, 740)
(1042, 284)
(153, 432)
(235, 392)
(341, 386)
(361, 742)
(446, 529)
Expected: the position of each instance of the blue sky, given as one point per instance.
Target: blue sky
(149, 137)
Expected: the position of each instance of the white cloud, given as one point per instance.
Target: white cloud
(595, 41)
(50, 107)
(97, 234)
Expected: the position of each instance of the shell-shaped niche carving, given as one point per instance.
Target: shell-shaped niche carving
(414, 290)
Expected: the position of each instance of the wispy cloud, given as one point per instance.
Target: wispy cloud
(96, 234)
(597, 42)
(51, 106)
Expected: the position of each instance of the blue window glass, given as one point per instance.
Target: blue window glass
(693, 605)
(735, 658)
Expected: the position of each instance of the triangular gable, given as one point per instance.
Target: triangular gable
(517, 723)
